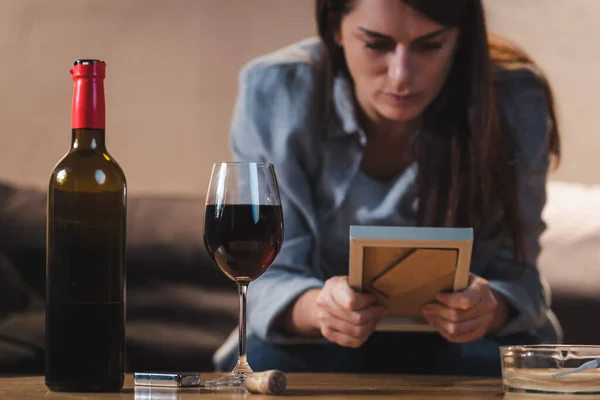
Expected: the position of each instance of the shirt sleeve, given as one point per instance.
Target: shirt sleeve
(260, 132)
(525, 109)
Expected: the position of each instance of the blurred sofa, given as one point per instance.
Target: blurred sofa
(180, 307)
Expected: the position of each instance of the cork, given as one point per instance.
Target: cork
(267, 382)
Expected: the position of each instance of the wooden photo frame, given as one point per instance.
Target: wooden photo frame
(406, 267)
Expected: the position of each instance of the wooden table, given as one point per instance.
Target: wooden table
(300, 386)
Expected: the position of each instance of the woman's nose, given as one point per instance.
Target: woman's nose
(399, 69)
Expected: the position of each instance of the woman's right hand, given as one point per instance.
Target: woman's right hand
(345, 316)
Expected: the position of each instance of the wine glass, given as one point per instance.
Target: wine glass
(243, 233)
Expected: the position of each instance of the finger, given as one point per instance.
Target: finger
(467, 298)
(466, 338)
(348, 298)
(360, 332)
(328, 306)
(340, 338)
(456, 315)
(367, 315)
(360, 317)
(456, 329)
(461, 300)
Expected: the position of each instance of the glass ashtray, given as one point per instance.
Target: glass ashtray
(538, 368)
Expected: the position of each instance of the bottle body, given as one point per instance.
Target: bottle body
(85, 268)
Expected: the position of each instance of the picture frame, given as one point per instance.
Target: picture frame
(406, 267)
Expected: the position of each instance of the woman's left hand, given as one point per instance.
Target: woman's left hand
(468, 315)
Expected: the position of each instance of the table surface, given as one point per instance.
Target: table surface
(300, 386)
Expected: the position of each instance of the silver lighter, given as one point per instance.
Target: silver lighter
(167, 379)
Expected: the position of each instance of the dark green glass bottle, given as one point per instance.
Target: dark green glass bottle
(85, 269)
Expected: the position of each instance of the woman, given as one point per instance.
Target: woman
(404, 112)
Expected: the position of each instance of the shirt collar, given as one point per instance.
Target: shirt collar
(345, 107)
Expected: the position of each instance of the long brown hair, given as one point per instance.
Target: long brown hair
(463, 151)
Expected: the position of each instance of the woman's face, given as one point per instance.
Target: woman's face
(397, 57)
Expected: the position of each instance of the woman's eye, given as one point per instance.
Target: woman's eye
(429, 46)
(379, 46)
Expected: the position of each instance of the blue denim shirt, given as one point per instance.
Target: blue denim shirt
(286, 114)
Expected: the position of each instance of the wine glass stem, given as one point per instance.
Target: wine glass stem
(242, 364)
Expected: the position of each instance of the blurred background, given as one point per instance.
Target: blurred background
(172, 78)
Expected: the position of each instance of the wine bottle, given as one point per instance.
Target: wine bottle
(85, 259)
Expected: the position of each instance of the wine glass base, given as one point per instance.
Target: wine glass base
(228, 380)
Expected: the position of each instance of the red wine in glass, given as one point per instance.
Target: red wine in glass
(243, 239)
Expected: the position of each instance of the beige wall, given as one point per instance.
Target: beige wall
(562, 36)
(172, 77)
(171, 80)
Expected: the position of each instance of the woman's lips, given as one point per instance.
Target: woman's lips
(403, 99)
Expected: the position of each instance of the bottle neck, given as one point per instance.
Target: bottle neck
(88, 102)
(88, 139)
(88, 117)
